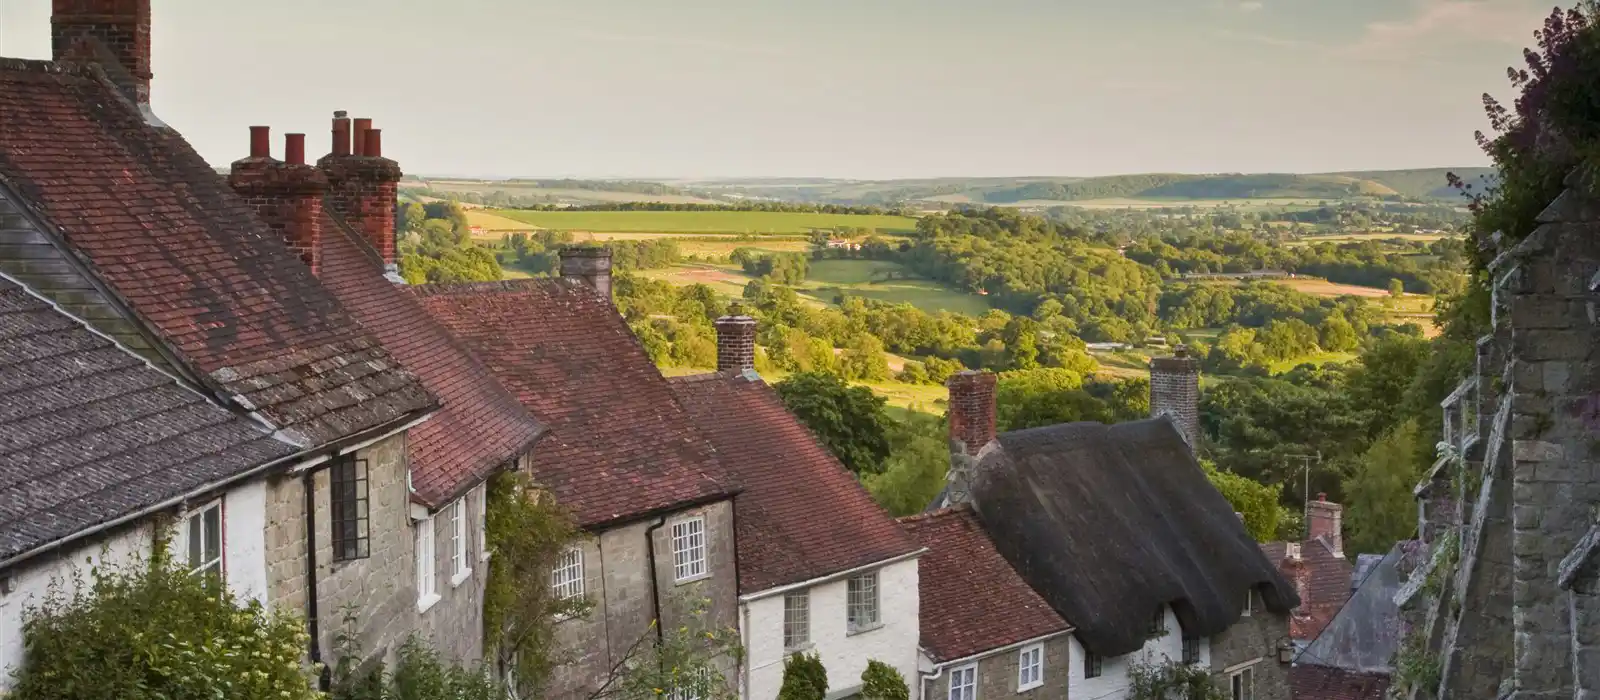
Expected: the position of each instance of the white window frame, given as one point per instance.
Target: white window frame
(1249, 603)
(862, 594)
(963, 683)
(195, 518)
(704, 679)
(1094, 665)
(461, 563)
(797, 620)
(566, 579)
(483, 522)
(1030, 667)
(689, 550)
(1241, 683)
(427, 578)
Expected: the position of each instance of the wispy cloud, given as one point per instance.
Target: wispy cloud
(675, 41)
(1250, 6)
(1432, 22)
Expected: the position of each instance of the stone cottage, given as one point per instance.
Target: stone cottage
(822, 569)
(102, 452)
(1117, 528)
(1317, 567)
(620, 454)
(985, 632)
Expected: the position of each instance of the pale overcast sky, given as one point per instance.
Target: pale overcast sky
(838, 88)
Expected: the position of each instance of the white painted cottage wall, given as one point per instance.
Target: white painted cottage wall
(244, 542)
(1112, 683)
(844, 656)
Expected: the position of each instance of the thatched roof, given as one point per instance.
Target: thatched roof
(1109, 522)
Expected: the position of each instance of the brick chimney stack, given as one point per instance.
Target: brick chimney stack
(971, 410)
(590, 264)
(1175, 391)
(1326, 520)
(286, 194)
(363, 185)
(113, 33)
(736, 343)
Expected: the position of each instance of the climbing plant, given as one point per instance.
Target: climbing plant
(1168, 680)
(686, 660)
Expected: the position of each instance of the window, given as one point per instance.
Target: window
(694, 686)
(427, 592)
(1158, 622)
(205, 539)
(1191, 650)
(964, 682)
(796, 619)
(459, 567)
(689, 549)
(1249, 603)
(861, 603)
(350, 535)
(1091, 665)
(1030, 667)
(1243, 683)
(566, 580)
(483, 522)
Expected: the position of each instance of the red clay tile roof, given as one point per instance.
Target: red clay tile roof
(1308, 682)
(619, 446)
(971, 600)
(802, 515)
(210, 280)
(480, 426)
(1327, 585)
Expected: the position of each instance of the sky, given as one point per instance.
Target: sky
(864, 89)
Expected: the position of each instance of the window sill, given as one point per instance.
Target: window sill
(799, 648)
(1030, 686)
(692, 579)
(458, 578)
(427, 601)
(853, 631)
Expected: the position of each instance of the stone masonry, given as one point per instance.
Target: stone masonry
(1175, 391)
(1254, 640)
(736, 343)
(997, 674)
(617, 581)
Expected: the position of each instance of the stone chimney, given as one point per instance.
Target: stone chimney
(1175, 391)
(736, 343)
(971, 410)
(113, 33)
(1325, 520)
(286, 194)
(590, 264)
(363, 185)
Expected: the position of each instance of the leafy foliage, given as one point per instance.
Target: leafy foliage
(880, 681)
(804, 678)
(153, 631)
(849, 420)
(1168, 680)
(914, 474)
(1260, 504)
(1379, 491)
(683, 661)
(420, 674)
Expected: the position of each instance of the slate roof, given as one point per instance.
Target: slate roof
(619, 446)
(971, 600)
(203, 274)
(479, 427)
(1327, 585)
(1310, 682)
(1109, 522)
(89, 432)
(802, 514)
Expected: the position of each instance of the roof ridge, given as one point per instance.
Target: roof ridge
(711, 376)
(932, 514)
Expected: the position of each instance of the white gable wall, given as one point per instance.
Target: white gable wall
(844, 656)
(1112, 683)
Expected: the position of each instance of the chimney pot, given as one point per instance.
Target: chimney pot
(972, 409)
(589, 264)
(294, 149)
(1323, 497)
(341, 134)
(260, 142)
(736, 343)
(361, 127)
(374, 146)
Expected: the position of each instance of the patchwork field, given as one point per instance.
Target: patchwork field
(1373, 236)
(871, 279)
(700, 222)
(926, 398)
(449, 186)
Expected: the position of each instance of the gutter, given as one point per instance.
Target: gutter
(832, 577)
(941, 666)
(631, 518)
(655, 582)
(308, 486)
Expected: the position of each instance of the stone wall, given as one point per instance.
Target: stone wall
(997, 674)
(1254, 640)
(617, 579)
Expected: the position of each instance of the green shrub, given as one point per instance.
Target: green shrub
(804, 678)
(882, 682)
(154, 631)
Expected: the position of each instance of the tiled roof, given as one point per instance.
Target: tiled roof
(802, 515)
(479, 426)
(89, 432)
(1309, 682)
(619, 446)
(971, 600)
(165, 233)
(1326, 586)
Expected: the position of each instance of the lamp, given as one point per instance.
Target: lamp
(1285, 650)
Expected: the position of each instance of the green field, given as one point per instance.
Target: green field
(702, 221)
(870, 279)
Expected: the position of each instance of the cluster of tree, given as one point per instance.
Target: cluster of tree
(436, 246)
(539, 252)
(789, 207)
(1365, 263)
(1275, 224)
(776, 268)
(635, 186)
